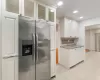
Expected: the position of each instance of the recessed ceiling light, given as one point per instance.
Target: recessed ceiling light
(76, 11)
(81, 17)
(60, 3)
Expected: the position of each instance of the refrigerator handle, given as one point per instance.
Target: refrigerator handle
(37, 46)
(33, 47)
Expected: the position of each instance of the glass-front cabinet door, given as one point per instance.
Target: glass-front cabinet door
(51, 15)
(29, 8)
(12, 6)
(41, 12)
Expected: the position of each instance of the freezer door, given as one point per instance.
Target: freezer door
(43, 50)
(26, 49)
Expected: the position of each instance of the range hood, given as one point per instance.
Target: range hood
(69, 40)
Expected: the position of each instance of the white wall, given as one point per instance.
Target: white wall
(87, 39)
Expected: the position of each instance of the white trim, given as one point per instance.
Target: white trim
(35, 10)
(45, 5)
(0, 40)
(47, 13)
(22, 6)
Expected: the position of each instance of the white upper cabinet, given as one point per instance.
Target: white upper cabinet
(51, 15)
(12, 6)
(41, 12)
(69, 28)
(75, 29)
(29, 8)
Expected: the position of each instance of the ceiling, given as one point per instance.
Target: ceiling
(87, 8)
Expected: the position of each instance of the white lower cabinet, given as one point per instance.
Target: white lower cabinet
(71, 57)
(10, 68)
(53, 63)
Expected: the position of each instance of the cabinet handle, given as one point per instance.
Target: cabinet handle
(33, 44)
(37, 47)
(11, 56)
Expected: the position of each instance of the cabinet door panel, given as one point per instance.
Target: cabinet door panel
(81, 54)
(73, 57)
(41, 12)
(9, 35)
(28, 8)
(74, 29)
(10, 69)
(12, 6)
(67, 28)
(51, 15)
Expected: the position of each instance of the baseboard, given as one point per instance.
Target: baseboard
(77, 64)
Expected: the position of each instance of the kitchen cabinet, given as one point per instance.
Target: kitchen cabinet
(71, 57)
(81, 53)
(29, 8)
(51, 15)
(10, 68)
(64, 57)
(53, 62)
(9, 40)
(12, 6)
(9, 34)
(41, 12)
(74, 29)
(74, 57)
(69, 28)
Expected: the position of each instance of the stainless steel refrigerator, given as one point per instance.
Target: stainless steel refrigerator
(34, 49)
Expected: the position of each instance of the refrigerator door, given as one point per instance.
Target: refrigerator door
(27, 66)
(43, 50)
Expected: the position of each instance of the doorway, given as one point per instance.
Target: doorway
(92, 38)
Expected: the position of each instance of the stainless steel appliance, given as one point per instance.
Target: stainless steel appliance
(34, 49)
